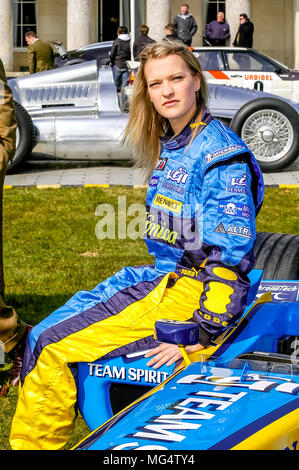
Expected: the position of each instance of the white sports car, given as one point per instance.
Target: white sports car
(239, 66)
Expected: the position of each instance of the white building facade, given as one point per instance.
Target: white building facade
(80, 22)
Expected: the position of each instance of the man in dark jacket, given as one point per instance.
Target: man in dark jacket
(244, 36)
(119, 53)
(185, 24)
(142, 41)
(40, 53)
(170, 33)
(217, 31)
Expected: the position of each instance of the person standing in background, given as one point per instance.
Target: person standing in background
(170, 33)
(142, 41)
(40, 53)
(217, 31)
(120, 52)
(244, 36)
(185, 25)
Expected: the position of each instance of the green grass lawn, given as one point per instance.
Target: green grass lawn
(51, 251)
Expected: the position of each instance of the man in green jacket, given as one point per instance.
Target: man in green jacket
(13, 331)
(40, 53)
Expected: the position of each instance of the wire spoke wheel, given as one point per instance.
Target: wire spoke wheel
(270, 129)
(269, 134)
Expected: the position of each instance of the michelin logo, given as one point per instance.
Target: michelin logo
(231, 208)
(231, 149)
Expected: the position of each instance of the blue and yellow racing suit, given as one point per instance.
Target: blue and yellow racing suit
(201, 205)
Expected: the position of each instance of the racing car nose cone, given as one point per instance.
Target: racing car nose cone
(267, 135)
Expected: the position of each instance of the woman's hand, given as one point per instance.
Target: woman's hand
(168, 354)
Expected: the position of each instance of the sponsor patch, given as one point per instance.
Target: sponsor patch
(168, 203)
(212, 156)
(232, 208)
(173, 187)
(286, 291)
(237, 182)
(154, 181)
(234, 230)
(160, 231)
(179, 176)
(161, 164)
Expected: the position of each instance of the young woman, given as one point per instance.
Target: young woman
(205, 189)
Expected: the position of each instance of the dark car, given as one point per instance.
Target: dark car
(98, 51)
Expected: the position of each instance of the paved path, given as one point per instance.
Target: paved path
(105, 176)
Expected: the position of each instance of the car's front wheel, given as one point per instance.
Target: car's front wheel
(270, 128)
(25, 137)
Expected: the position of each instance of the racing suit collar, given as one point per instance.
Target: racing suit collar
(174, 143)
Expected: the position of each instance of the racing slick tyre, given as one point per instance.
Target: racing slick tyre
(25, 138)
(278, 255)
(270, 128)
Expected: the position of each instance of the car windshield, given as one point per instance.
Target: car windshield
(209, 60)
(96, 45)
(251, 62)
(259, 361)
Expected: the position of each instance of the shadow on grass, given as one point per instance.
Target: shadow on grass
(32, 308)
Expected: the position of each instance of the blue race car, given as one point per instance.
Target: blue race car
(240, 393)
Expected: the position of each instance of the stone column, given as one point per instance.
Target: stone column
(157, 16)
(296, 38)
(6, 34)
(233, 9)
(79, 29)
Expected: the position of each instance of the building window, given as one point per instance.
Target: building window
(211, 8)
(24, 19)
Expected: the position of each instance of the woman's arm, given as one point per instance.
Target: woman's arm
(227, 227)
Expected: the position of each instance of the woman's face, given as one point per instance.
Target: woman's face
(172, 89)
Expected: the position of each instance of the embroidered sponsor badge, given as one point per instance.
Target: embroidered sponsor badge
(154, 181)
(172, 187)
(237, 182)
(212, 156)
(178, 176)
(234, 230)
(232, 208)
(168, 203)
(161, 164)
(176, 179)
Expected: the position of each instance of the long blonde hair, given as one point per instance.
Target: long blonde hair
(145, 124)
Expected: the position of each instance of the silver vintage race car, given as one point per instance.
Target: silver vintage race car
(73, 113)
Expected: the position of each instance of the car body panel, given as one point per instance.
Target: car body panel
(198, 409)
(248, 68)
(99, 51)
(227, 398)
(76, 114)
